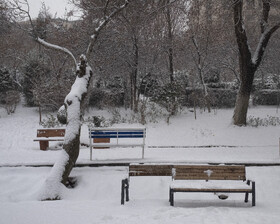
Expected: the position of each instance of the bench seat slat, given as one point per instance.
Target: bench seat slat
(209, 172)
(150, 170)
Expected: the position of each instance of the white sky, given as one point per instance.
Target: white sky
(55, 7)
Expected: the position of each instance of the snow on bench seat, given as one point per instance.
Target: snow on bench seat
(218, 185)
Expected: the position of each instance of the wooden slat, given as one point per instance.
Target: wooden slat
(150, 170)
(50, 132)
(217, 172)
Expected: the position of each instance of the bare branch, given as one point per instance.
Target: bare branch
(102, 24)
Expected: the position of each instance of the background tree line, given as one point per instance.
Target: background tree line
(174, 51)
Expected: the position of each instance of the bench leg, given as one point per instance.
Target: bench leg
(253, 194)
(126, 190)
(44, 145)
(122, 192)
(171, 197)
(246, 197)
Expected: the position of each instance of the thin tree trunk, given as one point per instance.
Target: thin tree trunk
(170, 43)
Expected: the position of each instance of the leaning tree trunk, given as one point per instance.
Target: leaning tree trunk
(73, 104)
(71, 147)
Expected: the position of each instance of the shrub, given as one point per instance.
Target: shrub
(219, 97)
(266, 97)
(50, 122)
(97, 121)
(268, 121)
(101, 98)
(11, 100)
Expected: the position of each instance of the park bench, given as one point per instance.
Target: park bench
(49, 134)
(210, 178)
(140, 170)
(100, 138)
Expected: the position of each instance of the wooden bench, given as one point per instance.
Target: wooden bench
(208, 178)
(136, 170)
(117, 134)
(49, 134)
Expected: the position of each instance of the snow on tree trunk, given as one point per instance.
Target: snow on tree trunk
(71, 147)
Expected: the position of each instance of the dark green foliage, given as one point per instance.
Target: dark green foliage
(221, 95)
(6, 80)
(101, 98)
(36, 72)
(169, 96)
(267, 91)
(266, 97)
(45, 84)
(213, 76)
(9, 95)
(148, 85)
(109, 92)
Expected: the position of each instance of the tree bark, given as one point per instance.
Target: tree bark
(248, 64)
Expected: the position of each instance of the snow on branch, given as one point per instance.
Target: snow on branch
(56, 47)
(102, 24)
(256, 60)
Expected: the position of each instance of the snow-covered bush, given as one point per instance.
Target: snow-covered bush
(266, 97)
(221, 95)
(170, 97)
(266, 91)
(97, 121)
(102, 98)
(267, 121)
(50, 122)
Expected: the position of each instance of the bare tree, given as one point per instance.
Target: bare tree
(74, 101)
(249, 62)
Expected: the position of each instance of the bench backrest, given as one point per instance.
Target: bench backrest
(208, 172)
(117, 133)
(150, 170)
(50, 132)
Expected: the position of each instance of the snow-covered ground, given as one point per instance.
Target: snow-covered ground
(96, 199)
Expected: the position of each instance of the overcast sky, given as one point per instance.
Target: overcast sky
(55, 6)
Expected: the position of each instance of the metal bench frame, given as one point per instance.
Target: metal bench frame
(116, 133)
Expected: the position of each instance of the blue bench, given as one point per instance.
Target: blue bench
(117, 134)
